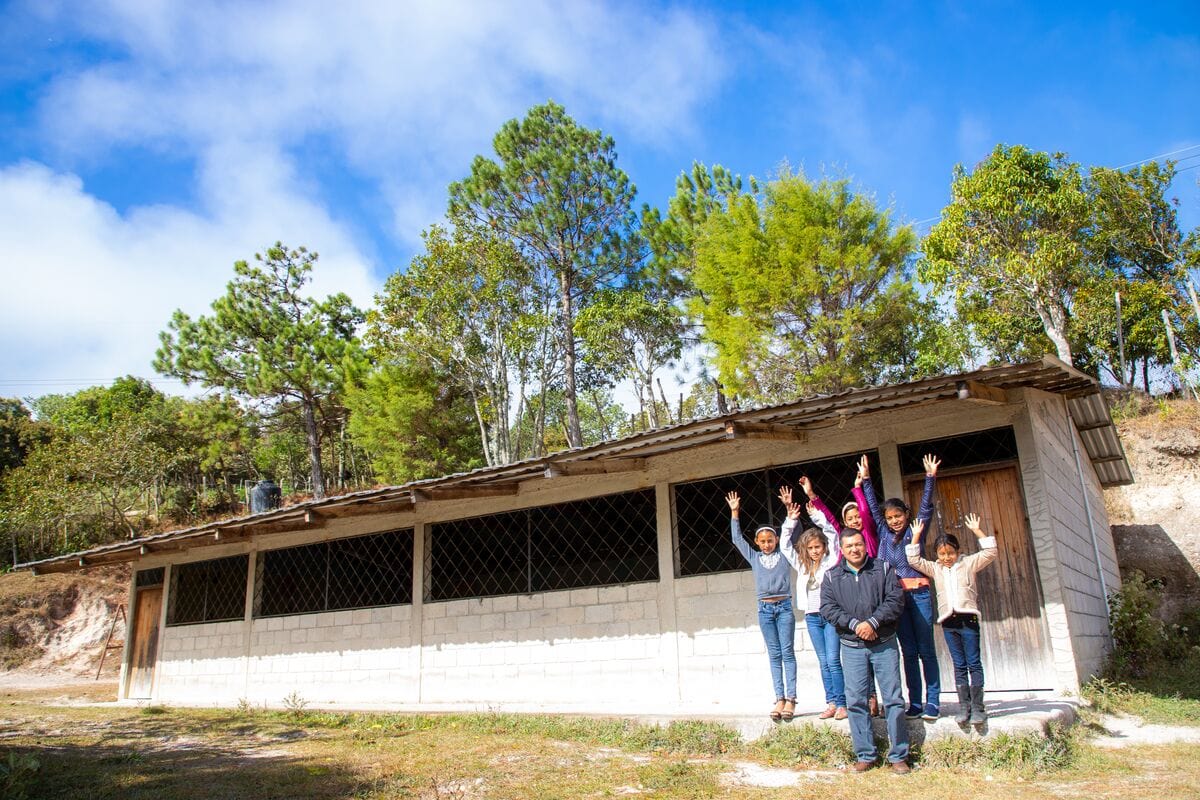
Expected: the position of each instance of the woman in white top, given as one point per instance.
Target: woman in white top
(816, 551)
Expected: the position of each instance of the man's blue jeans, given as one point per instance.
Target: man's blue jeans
(777, 622)
(962, 640)
(827, 645)
(915, 633)
(884, 658)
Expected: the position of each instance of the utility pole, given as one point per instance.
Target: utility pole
(1120, 339)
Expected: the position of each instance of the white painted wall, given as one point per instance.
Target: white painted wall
(679, 645)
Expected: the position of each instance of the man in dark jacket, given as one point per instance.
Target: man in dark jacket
(862, 598)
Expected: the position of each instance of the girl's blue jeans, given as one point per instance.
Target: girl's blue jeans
(915, 633)
(777, 622)
(962, 640)
(827, 646)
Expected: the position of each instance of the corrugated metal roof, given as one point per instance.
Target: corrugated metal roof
(1087, 407)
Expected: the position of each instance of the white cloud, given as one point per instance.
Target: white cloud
(404, 93)
(389, 80)
(88, 289)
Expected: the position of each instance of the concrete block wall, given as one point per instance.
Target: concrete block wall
(583, 647)
(1082, 580)
(365, 655)
(202, 663)
(722, 657)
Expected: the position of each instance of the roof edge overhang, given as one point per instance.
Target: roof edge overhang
(788, 421)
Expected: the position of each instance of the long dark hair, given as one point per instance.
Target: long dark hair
(897, 503)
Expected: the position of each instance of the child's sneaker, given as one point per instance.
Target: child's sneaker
(931, 713)
(914, 712)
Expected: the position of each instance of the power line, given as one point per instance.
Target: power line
(1160, 155)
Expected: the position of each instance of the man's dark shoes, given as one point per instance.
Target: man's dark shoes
(862, 766)
(900, 767)
(914, 712)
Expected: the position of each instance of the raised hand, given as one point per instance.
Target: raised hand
(972, 522)
(806, 485)
(864, 470)
(918, 527)
(735, 502)
(785, 495)
(931, 463)
(793, 511)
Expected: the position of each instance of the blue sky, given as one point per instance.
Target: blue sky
(148, 145)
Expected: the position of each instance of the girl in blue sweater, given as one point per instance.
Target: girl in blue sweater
(772, 566)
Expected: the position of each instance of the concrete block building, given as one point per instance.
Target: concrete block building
(602, 579)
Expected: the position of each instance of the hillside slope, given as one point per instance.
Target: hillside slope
(56, 625)
(1156, 521)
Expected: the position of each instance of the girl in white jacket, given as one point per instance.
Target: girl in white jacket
(816, 552)
(958, 608)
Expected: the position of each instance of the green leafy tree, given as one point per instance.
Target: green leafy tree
(632, 334)
(1016, 230)
(802, 287)
(1144, 255)
(19, 432)
(414, 422)
(267, 341)
(468, 307)
(556, 191)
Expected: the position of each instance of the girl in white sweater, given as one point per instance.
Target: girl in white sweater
(816, 552)
(958, 608)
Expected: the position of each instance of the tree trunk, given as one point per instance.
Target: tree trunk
(314, 449)
(1054, 321)
(722, 404)
(653, 403)
(574, 432)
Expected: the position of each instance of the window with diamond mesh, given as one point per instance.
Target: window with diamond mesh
(701, 514)
(968, 450)
(361, 572)
(150, 577)
(595, 542)
(208, 591)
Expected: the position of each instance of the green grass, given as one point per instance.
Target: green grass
(1023, 754)
(805, 745)
(165, 752)
(1167, 694)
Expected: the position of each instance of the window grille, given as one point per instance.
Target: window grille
(149, 577)
(208, 591)
(595, 542)
(701, 515)
(968, 450)
(360, 572)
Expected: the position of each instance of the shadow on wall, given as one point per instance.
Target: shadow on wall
(1151, 550)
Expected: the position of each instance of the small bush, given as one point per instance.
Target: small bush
(807, 744)
(1139, 637)
(295, 703)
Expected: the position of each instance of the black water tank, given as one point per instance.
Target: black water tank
(265, 496)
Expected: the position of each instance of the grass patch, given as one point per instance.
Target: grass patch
(1024, 753)
(805, 745)
(1156, 698)
(679, 778)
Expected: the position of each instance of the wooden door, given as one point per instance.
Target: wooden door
(1016, 645)
(144, 649)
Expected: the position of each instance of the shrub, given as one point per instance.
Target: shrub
(1139, 637)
